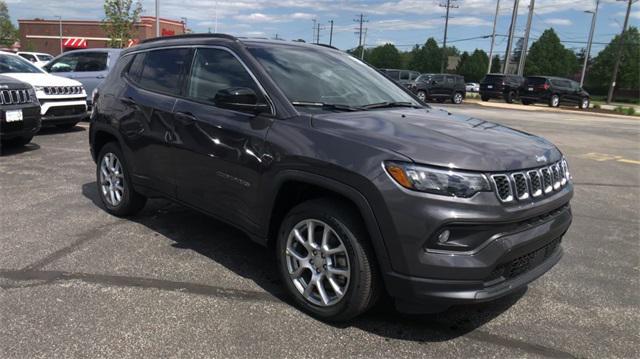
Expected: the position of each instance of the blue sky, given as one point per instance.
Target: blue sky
(401, 22)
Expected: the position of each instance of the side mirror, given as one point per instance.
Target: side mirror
(240, 99)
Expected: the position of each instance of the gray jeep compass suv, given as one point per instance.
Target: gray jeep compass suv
(358, 187)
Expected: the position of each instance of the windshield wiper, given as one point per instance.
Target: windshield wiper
(327, 106)
(390, 104)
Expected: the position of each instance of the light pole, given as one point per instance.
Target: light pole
(588, 52)
(59, 31)
(157, 18)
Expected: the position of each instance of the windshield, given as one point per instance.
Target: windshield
(16, 64)
(44, 57)
(322, 76)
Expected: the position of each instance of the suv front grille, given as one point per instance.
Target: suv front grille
(63, 90)
(14, 97)
(519, 186)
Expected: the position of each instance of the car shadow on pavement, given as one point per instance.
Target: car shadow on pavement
(53, 130)
(16, 150)
(231, 248)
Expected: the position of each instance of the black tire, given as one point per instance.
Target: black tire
(554, 100)
(526, 102)
(67, 126)
(363, 289)
(457, 98)
(584, 103)
(484, 98)
(131, 201)
(509, 97)
(17, 141)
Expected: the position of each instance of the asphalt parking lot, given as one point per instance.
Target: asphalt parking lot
(75, 281)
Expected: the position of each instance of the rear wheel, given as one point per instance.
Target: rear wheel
(584, 103)
(325, 260)
(457, 98)
(114, 183)
(422, 96)
(554, 101)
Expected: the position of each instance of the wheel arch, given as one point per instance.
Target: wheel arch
(100, 136)
(292, 187)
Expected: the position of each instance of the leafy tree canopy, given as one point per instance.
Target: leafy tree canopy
(385, 56)
(599, 75)
(473, 67)
(549, 57)
(8, 32)
(120, 18)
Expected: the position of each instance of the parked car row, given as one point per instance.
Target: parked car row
(62, 99)
(553, 91)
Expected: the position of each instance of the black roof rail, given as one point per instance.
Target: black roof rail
(329, 46)
(189, 36)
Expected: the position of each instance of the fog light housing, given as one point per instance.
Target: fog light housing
(443, 237)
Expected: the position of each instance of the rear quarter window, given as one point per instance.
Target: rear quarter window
(162, 70)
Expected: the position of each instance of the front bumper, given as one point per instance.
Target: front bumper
(29, 126)
(492, 93)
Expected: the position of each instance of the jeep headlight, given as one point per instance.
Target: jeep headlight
(446, 182)
(32, 95)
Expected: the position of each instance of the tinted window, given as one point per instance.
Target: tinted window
(450, 79)
(214, 70)
(42, 57)
(394, 74)
(492, 79)
(414, 75)
(404, 75)
(561, 83)
(136, 67)
(161, 70)
(438, 78)
(424, 78)
(536, 80)
(66, 63)
(91, 61)
(29, 57)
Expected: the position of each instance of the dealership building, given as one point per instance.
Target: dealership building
(48, 35)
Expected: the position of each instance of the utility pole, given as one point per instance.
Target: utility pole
(157, 18)
(331, 33)
(525, 42)
(60, 32)
(616, 67)
(493, 35)
(445, 58)
(512, 29)
(318, 33)
(360, 20)
(313, 37)
(588, 52)
(364, 43)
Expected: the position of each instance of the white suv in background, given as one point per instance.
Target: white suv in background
(63, 101)
(37, 58)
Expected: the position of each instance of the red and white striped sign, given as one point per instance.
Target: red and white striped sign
(75, 43)
(132, 42)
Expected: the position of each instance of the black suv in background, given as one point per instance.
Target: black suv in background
(357, 186)
(19, 111)
(553, 91)
(501, 86)
(403, 77)
(440, 87)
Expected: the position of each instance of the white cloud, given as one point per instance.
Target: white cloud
(559, 22)
(260, 17)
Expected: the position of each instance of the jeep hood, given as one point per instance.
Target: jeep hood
(434, 137)
(43, 79)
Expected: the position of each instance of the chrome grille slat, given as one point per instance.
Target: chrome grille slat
(14, 97)
(534, 183)
(63, 90)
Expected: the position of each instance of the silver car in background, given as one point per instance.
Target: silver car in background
(89, 66)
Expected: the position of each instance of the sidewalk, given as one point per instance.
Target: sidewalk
(541, 107)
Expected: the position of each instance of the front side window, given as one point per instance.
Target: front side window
(29, 57)
(66, 63)
(44, 57)
(91, 61)
(321, 76)
(215, 70)
(16, 64)
(162, 69)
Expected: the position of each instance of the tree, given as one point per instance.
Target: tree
(599, 75)
(8, 32)
(357, 52)
(427, 58)
(496, 65)
(475, 66)
(120, 18)
(549, 57)
(385, 56)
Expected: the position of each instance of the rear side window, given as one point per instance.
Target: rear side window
(450, 80)
(91, 61)
(404, 75)
(28, 57)
(214, 70)
(561, 83)
(161, 70)
(394, 74)
(438, 78)
(536, 80)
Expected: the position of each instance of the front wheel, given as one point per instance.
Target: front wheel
(422, 96)
(584, 103)
(457, 98)
(511, 95)
(114, 183)
(325, 260)
(554, 101)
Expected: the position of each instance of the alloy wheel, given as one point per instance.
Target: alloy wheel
(111, 179)
(457, 98)
(422, 96)
(317, 262)
(585, 103)
(555, 101)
